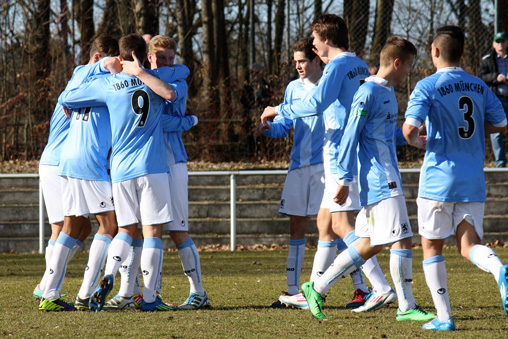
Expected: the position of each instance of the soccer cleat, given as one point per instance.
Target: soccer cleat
(119, 303)
(358, 299)
(194, 302)
(314, 300)
(415, 314)
(375, 300)
(295, 301)
(503, 286)
(138, 299)
(56, 305)
(38, 293)
(157, 305)
(82, 304)
(436, 324)
(98, 298)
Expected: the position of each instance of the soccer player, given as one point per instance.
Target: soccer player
(65, 243)
(161, 53)
(457, 109)
(86, 186)
(304, 185)
(332, 98)
(369, 139)
(138, 173)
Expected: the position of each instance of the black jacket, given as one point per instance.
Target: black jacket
(488, 70)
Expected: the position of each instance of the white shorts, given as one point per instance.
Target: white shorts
(50, 182)
(439, 220)
(303, 191)
(178, 189)
(331, 185)
(384, 222)
(83, 197)
(143, 199)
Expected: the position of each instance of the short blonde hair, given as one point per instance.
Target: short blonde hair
(159, 42)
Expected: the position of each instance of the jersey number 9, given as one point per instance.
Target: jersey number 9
(141, 105)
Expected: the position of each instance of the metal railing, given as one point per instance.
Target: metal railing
(232, 182)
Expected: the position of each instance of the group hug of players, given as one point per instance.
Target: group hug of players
(115, 151)
(343, 160)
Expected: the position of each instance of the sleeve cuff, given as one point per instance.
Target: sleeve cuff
(195, 119)
(413, 122)
(501, 124)
(344, 182)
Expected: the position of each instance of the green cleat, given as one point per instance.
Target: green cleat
(56, 305)
(314, 300)
(415, 314)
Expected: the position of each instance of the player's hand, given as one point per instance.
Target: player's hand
(341, 195)
(268, 113)
(501, 78)
(133, 68)
(67, 111)
(113, 65)
(325, 60)
(260, 129)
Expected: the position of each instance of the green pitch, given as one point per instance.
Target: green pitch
(241, 287)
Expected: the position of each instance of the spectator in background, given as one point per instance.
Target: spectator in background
(494, 71)
(256, 95)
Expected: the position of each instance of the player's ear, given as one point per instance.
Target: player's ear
(396, 63)
(96, 57)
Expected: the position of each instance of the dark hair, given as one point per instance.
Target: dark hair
(450, 41)
(105, 45)
(132, 43)
(305, 45)
(396, 48)
(333, 28)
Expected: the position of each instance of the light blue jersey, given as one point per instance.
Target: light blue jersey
(85, 153)
(309, 132)
(59, 124)
(332, 98)
(369, 140)
(454, 105)
(137, 141)
(175, 149)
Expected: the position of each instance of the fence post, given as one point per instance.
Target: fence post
(232, 202)
(41, 219)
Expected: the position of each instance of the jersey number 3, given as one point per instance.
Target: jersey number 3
(141, 105)
(467, 108)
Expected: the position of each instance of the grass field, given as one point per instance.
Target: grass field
(241, 287)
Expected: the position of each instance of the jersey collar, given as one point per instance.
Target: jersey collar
(450, 69)
(378, 80)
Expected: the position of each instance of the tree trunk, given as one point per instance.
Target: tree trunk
(269, 5)
(384, 10)
(280, 18)
(318, 8)
(147, 17)
(221, 54)
(84, 19)
(41, 39)
(185, 10)
(110, 23)
(358, 26)
(209, 66)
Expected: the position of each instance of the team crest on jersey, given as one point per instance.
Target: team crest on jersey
(360, 111)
